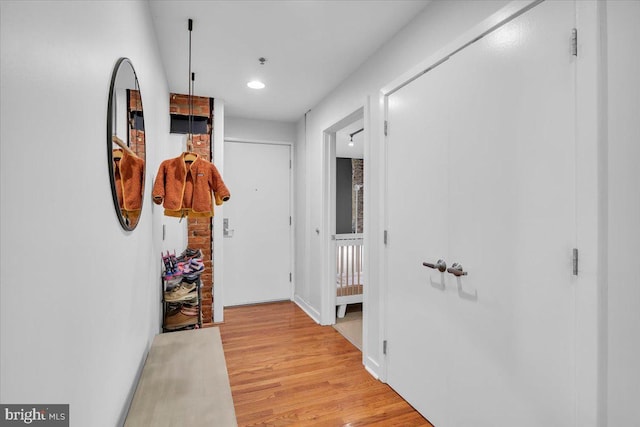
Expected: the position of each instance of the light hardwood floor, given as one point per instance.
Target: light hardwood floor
(284, 369)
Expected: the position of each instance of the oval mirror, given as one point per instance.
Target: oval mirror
(126, 144)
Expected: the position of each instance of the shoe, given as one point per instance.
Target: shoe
(191, 279)
(181, 293)
(172, 275)
(189, 310)
(179, 320)
(188, 254)
(172, 269)
(192, 268)
(172, 282)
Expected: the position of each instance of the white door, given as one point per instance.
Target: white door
(489, 139)
(257, 245)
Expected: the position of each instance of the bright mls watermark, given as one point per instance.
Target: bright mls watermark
(34, 415)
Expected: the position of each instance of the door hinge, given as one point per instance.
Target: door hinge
(386, 236)
(574, 42)
(575, 261)
(386, 128)
(384, 347)
(290, 220)
(290, 277)
(290, 164)
(164, 231)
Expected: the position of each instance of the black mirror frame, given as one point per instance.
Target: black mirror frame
(112, 177)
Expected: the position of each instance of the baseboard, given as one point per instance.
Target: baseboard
(372, 367)
(134, 386)
(311, 312)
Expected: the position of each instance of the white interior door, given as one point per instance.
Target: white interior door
(257, 245)
(489, 139)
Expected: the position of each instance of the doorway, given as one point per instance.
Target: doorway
(346, 281)
(257, 223)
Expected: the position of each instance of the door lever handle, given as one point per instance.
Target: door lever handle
(456, 270)
(441, 266)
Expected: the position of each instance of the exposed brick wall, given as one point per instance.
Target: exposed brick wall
(200, 230)
(179, 104)
(136, 137)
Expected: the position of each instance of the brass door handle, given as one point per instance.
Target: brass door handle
(441, 266)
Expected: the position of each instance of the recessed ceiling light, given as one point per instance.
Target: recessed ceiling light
(255, 84)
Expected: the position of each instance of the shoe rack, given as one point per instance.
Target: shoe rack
(181, 294)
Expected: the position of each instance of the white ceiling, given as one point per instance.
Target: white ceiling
(310, 45)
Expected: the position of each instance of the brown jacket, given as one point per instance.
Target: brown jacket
(186, 190)
(129, 178)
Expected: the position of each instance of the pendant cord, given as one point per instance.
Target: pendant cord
(190, 134)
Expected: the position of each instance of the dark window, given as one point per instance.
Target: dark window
(180, 124)
(138, 120)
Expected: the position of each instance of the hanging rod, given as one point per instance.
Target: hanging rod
(355, 133)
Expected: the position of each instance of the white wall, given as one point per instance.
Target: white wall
(438, 24)
(259, 130)
(80, 297)
(623, 38)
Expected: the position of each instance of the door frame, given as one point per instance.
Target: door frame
(328, 294)
(590, 306)
(290, 145)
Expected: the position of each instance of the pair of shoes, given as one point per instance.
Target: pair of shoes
(183, 292)
(171, 267)
(172, 282)
(194, 266)
(188, 310)
(179, 320)
(189, 254)
(191, 279)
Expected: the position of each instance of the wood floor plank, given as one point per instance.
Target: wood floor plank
(286, 370)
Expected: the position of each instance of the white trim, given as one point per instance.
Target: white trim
(382, 261)
(367, 242)
(257, 141)
(311, 312)
(328, 297)
(591, 216)
(328, 294)
(308, 233)
(372, 367)
(217, 243)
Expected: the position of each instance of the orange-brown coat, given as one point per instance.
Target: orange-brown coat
(186, 190)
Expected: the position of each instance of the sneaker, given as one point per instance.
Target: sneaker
(181, 293)
(188, 254)
(179, 320)
(190, 311)
(192, 267)
(172, 282)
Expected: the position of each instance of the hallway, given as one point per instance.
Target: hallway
(285, 369)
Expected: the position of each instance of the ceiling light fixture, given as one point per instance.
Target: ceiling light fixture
(256, 84)
(351, 136)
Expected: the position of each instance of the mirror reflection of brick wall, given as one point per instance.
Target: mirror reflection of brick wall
(136, 136)
(357, 167)
(200, 230)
